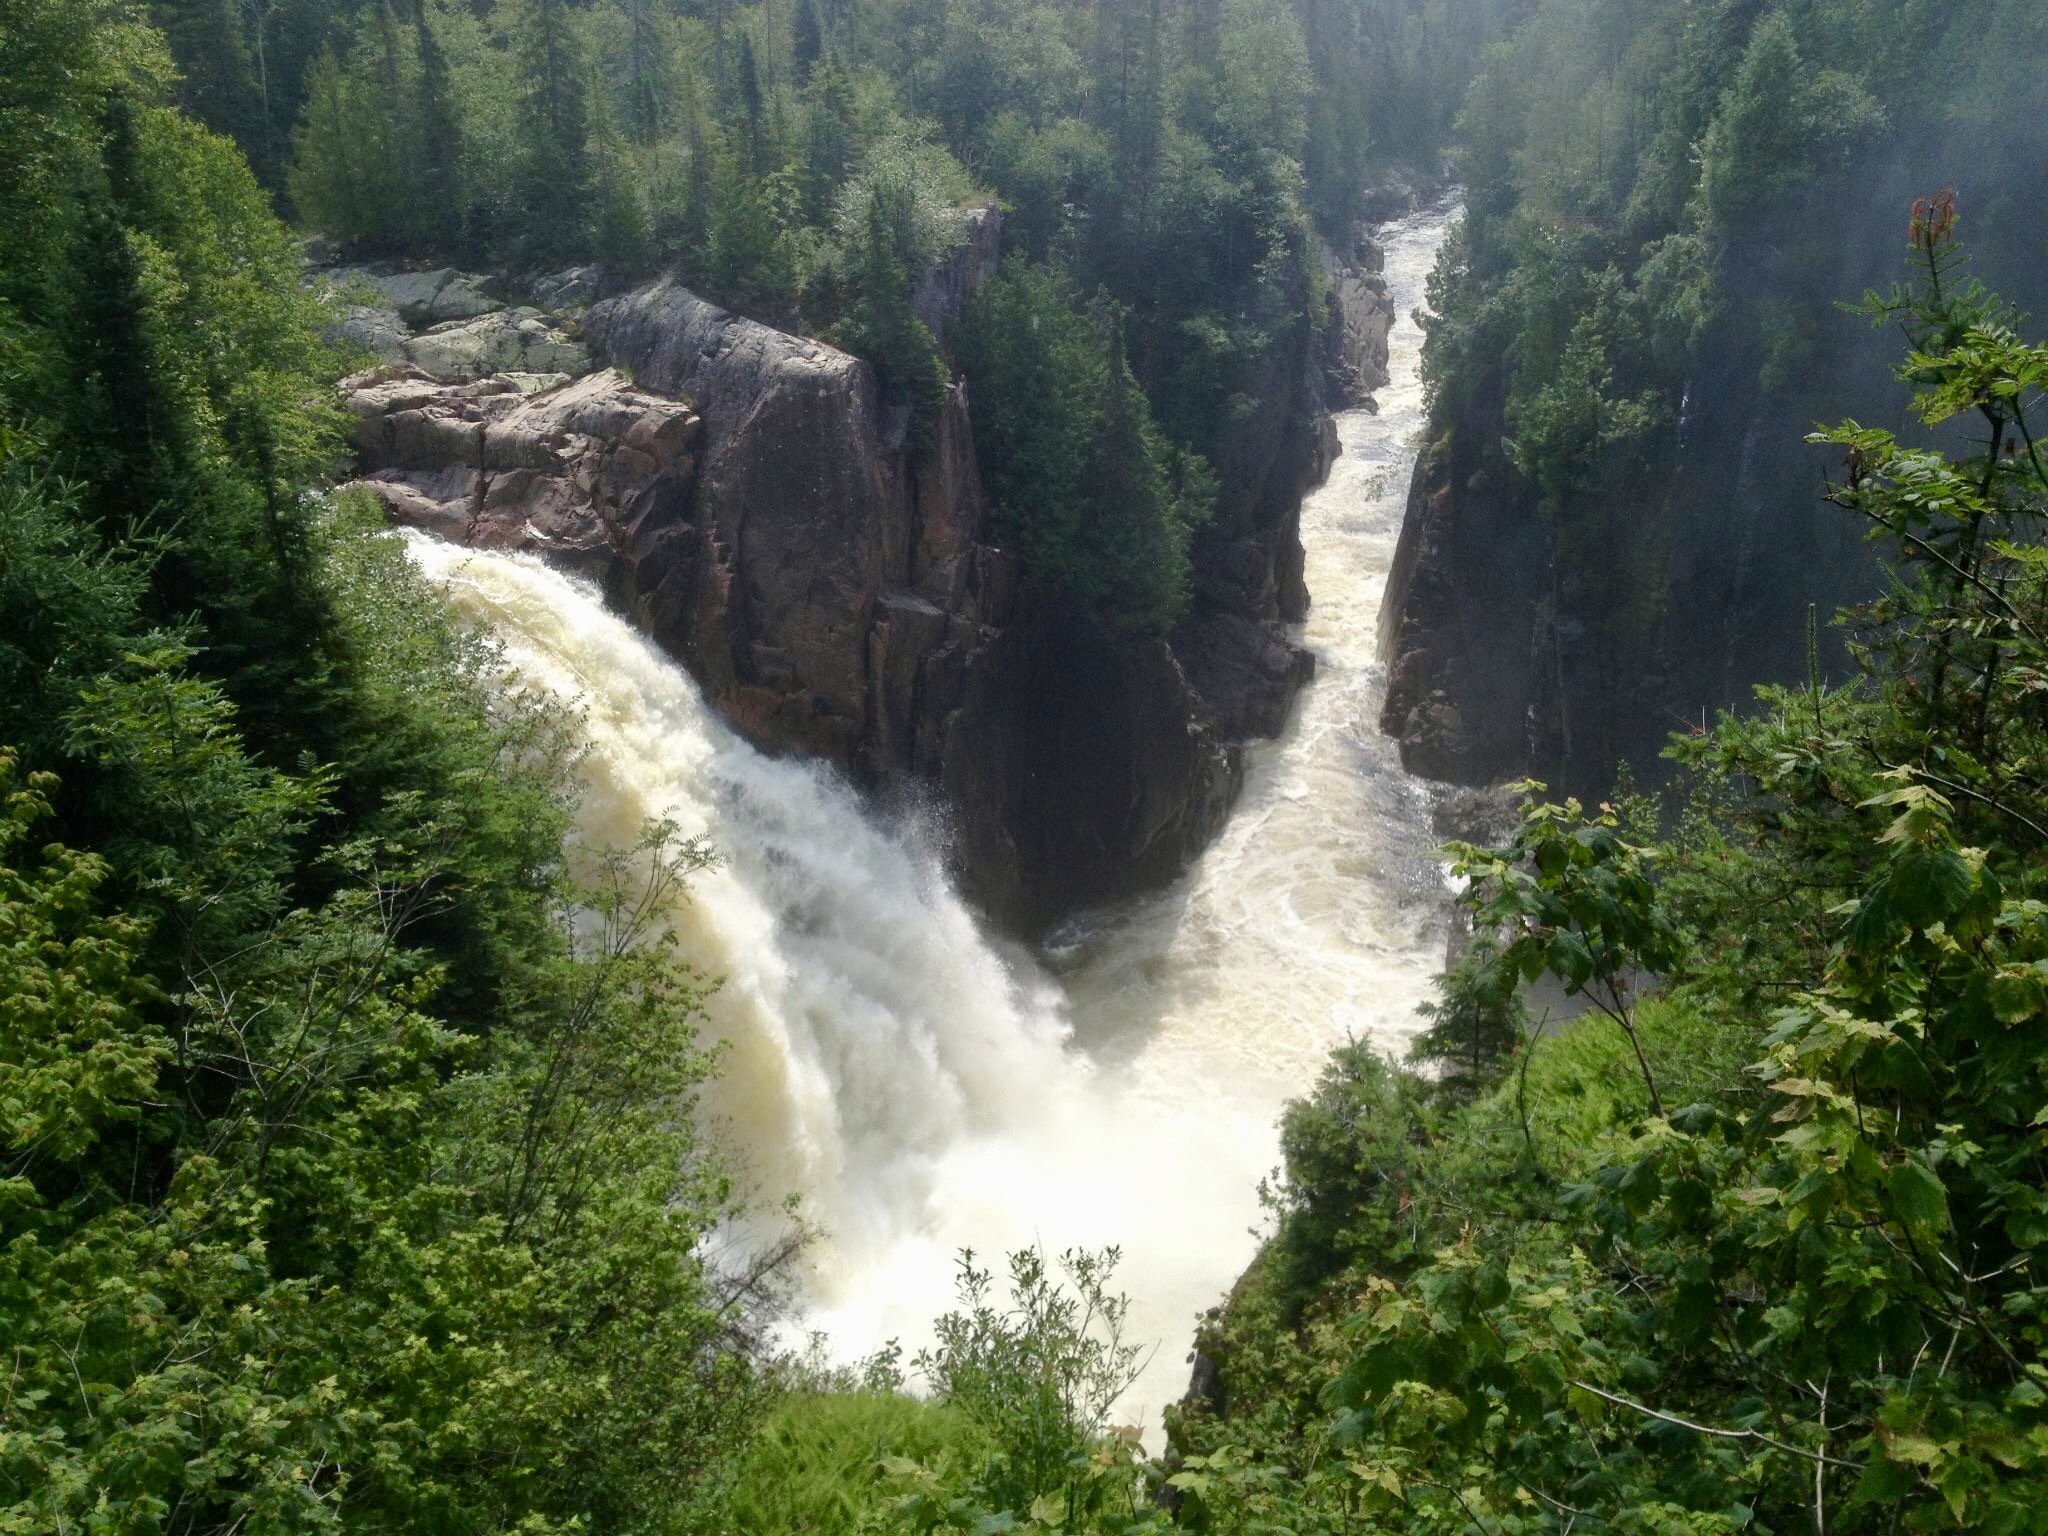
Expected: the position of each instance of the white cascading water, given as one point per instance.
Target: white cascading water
(926, 1088)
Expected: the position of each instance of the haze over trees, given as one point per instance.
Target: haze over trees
(1667, 204)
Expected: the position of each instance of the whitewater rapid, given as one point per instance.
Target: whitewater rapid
(925, 1087)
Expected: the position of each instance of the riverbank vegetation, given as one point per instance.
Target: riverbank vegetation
(343, 1179)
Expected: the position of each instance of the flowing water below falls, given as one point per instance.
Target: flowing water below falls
(928, 1088)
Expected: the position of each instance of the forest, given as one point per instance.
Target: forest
(350, 1176)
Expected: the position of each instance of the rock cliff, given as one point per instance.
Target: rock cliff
(1361, 314)
(1508, 658)
(742, 494)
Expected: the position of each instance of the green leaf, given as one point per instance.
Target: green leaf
(1918, 1198)
(2016, 996)
(1930, 885)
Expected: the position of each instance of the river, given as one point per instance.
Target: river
(927, 1088)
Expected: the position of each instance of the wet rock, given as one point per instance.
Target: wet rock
(1248, 673)
(1082, 766)
(1361, 317)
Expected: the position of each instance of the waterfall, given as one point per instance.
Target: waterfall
(925, 1087)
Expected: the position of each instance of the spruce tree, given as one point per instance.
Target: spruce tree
(807, 41)
(554, 171)
(438, 177)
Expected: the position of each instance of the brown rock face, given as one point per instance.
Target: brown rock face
(573, 472)
(799, 518)
(743, 496)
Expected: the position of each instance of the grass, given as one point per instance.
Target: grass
(815, 1467)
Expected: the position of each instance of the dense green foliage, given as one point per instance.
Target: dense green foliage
(1086, 486)
(345, 1181)
(806, 165)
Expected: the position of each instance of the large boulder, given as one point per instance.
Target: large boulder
(572, 288)
(1081, 767)
(1360, 318)
(800, 513)
(372, 328)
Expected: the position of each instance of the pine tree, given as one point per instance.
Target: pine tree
(807, 41)
(621, 232)
(829, 144)
(438, 173)
(217, 85)
(881, 323)
(648, 71)
(554, 172)
(750, 103)
(748, 261)
(343, 178)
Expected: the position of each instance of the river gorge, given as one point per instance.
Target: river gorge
(926, 1085)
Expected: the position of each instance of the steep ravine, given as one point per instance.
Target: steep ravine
(742, 495)
(926, 1086)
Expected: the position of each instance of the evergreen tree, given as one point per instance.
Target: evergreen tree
(748, 262)
(219, 86)
(750, 104)
(807, 41)
(438, 189)
(621, 234)
(830, 144)
(345, 173)
(648, 83)
(880, 322)
(553, 126)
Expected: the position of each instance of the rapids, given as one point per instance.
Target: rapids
(925, 1087)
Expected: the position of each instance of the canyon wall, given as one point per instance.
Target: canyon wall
(1682, 589)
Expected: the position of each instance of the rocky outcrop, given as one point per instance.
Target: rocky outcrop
(576, 471)
(505, 340)
(1234, 644)
(1360, 317)
(797, 525)
(943, 291)
(419, 298)
(1458, 626)
(1687, 582)
(452, 324)
(1081, 766)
